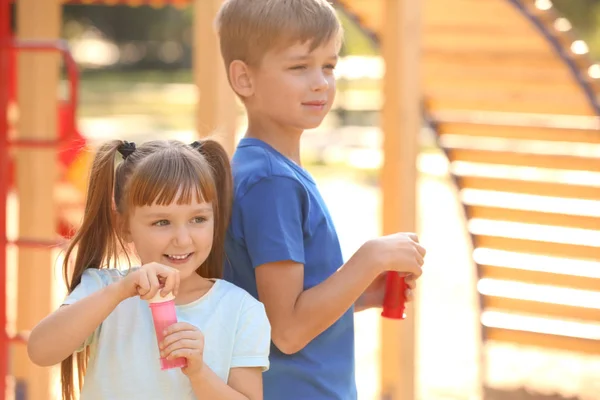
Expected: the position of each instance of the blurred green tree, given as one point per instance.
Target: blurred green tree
(585, 18)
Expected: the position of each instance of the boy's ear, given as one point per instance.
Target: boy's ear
(241, 80)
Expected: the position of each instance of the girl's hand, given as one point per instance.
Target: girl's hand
(184, 340)
(149, 279)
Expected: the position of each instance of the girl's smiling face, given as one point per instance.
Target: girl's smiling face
(177, 235)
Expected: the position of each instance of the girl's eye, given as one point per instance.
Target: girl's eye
(162, 222)
(199, 220)
(298, 67)
(330, 66)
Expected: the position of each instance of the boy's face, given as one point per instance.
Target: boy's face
(295, 87)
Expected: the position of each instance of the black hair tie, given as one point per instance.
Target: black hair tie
(126, 149)
(196, 145)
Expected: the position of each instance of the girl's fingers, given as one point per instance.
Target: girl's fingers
(180, 331)
(174, 337)
(181, 344)
(177, 280)
(171, 283)
(143, 285)
(185, 353)
(154, 284)
(180, 326)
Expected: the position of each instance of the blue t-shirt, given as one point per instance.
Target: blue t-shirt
(278, 214)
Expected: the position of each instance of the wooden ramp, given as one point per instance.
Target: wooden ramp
(514, 102)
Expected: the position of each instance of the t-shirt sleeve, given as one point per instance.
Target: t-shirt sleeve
(92, 280)
(272, 221)
(252, 338)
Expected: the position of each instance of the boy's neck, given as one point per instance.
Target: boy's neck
(285, 140)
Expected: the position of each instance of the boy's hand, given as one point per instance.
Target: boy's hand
(149, 279)
(374, 294)
(184, 340)
(399, 252)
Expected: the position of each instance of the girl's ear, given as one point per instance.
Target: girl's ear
(123, 227)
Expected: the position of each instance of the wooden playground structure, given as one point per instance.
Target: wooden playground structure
(495, 80)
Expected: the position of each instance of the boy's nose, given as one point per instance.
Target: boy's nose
(320, 82)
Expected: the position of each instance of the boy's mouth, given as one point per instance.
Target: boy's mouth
(320, 103)
(315, 105)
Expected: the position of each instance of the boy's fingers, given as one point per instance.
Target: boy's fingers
(416, 270)
(413, 237)
(419, 259)
(412, 269)
(421, 249)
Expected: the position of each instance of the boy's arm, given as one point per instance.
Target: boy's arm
(298, 316)
(61, 333)
(270, 218)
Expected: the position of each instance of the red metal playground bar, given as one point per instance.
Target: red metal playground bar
(5, 33)
(68, 135)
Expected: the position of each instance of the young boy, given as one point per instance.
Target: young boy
(282, 246)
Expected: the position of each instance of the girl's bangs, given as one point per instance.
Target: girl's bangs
(175, 179)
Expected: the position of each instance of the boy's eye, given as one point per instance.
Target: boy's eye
(162, 222)
(330, 66)
(298, 67)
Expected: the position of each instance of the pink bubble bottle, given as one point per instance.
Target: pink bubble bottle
(163, 316)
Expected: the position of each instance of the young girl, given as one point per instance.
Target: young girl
(171, 202)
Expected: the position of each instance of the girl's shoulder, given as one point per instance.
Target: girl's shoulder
(227, 289)
(225, 295)
(104, 276)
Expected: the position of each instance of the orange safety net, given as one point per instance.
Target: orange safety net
(133, 3)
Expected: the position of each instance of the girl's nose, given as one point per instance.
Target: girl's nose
(183, 237)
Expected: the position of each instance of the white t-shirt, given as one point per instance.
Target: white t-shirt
(124, 360)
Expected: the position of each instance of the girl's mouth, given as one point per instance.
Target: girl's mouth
(178, 258)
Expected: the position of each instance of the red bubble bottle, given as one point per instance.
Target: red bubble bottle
(394, 302)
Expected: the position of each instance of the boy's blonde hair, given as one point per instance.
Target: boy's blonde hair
(250, 28)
